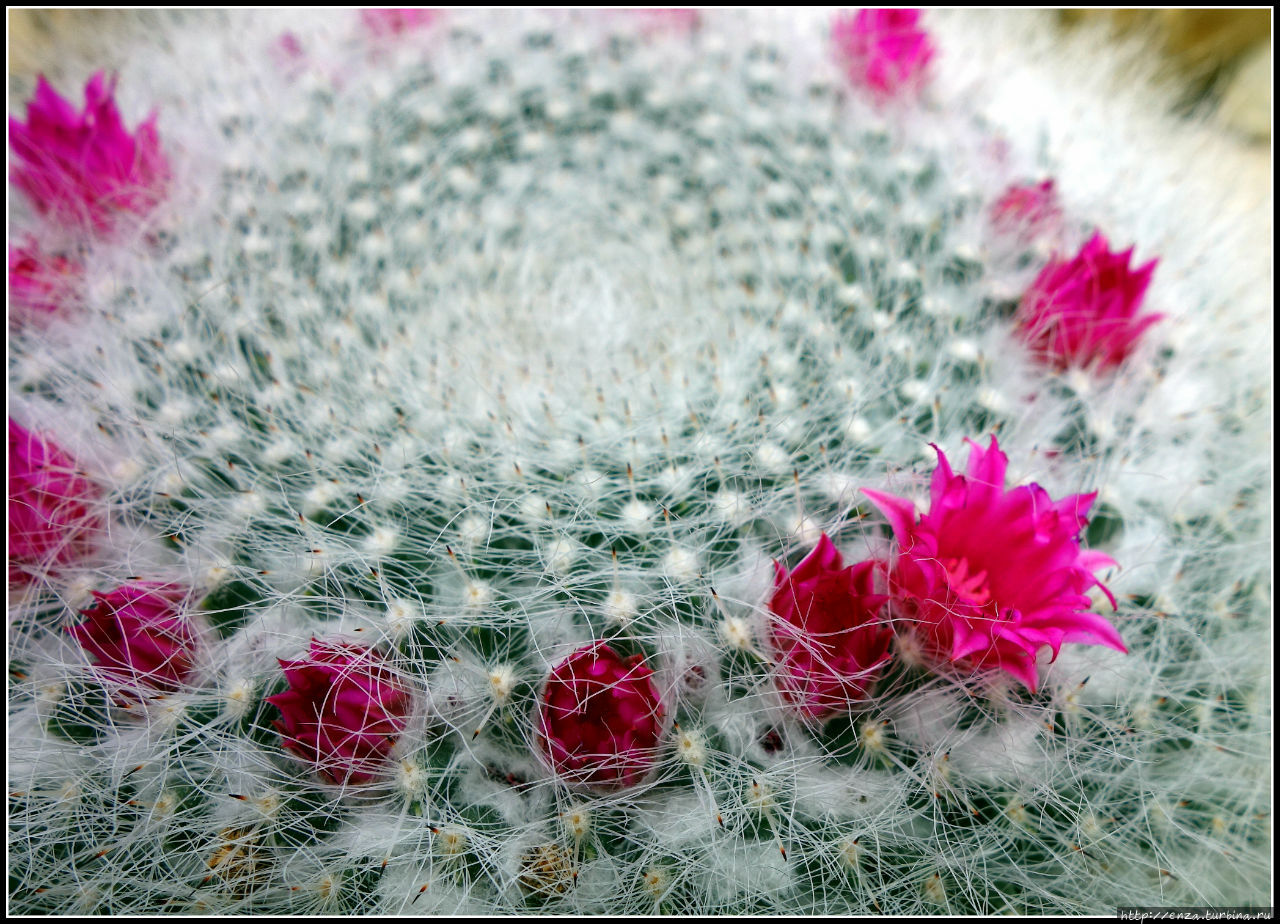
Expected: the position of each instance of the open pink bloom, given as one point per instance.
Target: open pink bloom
(600, 718)
(85, 167)
(42, 283)
(1084, 311)
(884, 50)
(828, 640)
(1027, 208)
(343, 710)
(52, 507)
(988, 576)
(138, 635)
(396, 21)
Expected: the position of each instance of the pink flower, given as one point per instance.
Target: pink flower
(988, 576)
(137, 634)
(1084, 311)
(52, 515)
(600, 718)
(42, 283)
(85, 167)
(343, 710)
(1028, 209)
(397, 21)
(883, 50)
(828, 640)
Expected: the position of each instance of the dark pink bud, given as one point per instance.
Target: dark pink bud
(343, 711)
(52, 507)
(827, 638)
(138, 635)
(883, 50)
(1084, 311)
(86, 167)
(41, 283)
(600, 718)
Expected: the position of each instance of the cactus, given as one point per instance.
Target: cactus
(508, 360)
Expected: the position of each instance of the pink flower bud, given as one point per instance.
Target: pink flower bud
(138, 635)
(988, 577)
(827, 638)
(396, 21)
(883, 50)
(288, 53)
(600, 718)
(343, 711)
(1084, 311)
(52, 515)
(41, 283)
(85, 167)
(1027, 209)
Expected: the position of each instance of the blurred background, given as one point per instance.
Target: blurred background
(1219, 59)
(1223, 57)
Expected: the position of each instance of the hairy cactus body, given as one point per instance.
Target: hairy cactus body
(476, 340)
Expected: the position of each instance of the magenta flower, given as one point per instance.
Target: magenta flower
(343, 710)
(137, 634)
(52, 507)
(1084, 311)
(600, 718)
(883, 50)
(397, 21)
(988, 576)
(42, 283)
(1027, 208)
(828, 640)
(85, 167)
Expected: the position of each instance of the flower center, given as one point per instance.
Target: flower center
(970, 588)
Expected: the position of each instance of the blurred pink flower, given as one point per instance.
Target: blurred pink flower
(988, 576)
(138, 634)
(288, 53)
(679, 19)
(397, 21)
(1084, 311)
(41, 283)
(1027, 209)
(85, 167)
(883, 50)
(600, 718)
(828, 640)
(52, 507)
(343, 710)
